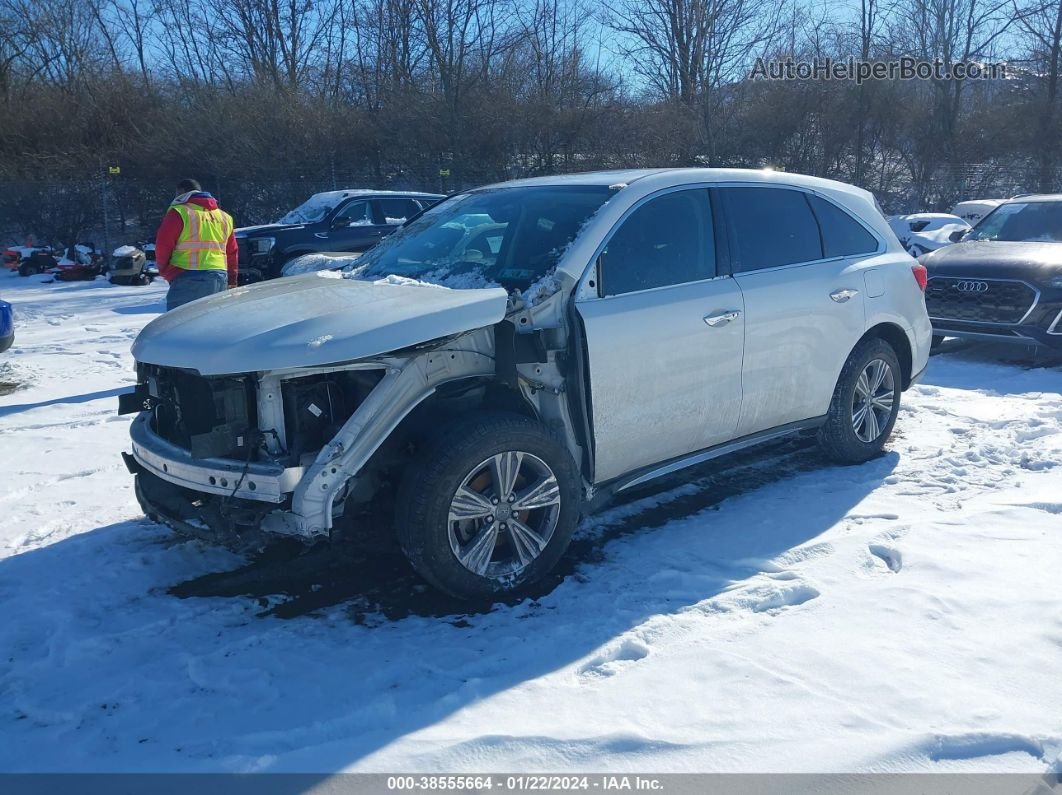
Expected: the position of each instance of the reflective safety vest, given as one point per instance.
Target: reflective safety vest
(201, 244)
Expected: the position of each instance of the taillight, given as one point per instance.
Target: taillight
(921, 275)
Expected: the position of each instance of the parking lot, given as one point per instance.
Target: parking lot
(769, 613)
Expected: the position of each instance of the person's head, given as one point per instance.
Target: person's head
(187, 186)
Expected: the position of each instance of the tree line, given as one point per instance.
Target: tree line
(268, 101)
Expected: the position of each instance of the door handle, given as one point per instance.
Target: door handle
(840, 296)
(722, 318)
(322, 235)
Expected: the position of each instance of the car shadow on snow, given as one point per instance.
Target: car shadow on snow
(88, 397)
(108, 670)
(156, 307)
(370, 575)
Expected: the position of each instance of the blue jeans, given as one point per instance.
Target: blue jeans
(191, 285)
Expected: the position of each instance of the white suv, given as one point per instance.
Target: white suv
(591, 333)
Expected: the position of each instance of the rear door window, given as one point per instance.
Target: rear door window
(397, 211)
(666, 241)
(357, 213)
(770, 227)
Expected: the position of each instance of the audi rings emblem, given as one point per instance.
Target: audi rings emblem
(972, 287)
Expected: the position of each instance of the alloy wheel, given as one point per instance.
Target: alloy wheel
(503, 514)
(873, 400)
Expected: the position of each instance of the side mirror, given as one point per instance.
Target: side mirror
(340, 221)
(958, 235)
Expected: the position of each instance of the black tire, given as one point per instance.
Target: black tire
(838, 437)
(445, 464)
(25, 269)
(249, 276)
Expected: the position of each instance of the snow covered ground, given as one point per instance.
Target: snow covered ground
(768, 613)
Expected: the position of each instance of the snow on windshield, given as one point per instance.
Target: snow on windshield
(507, 237)
(316, 207)
(310, 263)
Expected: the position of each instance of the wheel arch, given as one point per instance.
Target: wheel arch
(897, 339)
(449, 401)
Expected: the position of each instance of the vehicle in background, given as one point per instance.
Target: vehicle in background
(7, 326)
(129, 266)
(622, 326)
(335, 221)
(40, 260)
(14, 256)
(974, 210)
(923, 232)
(81, 264)
(1003, 282)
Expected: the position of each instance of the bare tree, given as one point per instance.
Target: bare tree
(686, 49)
(1041, 23)
(951, 32)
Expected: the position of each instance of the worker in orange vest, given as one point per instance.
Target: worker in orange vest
(195, 248)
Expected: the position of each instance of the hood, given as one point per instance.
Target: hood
(309, 321)
(996, 259)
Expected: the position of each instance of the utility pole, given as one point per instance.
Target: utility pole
(106, 218)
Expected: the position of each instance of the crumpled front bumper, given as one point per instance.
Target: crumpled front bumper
(254, 480)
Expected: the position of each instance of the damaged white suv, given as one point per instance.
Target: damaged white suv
(519, 353)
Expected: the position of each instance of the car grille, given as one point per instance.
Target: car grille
(209, 417)
(979, 300)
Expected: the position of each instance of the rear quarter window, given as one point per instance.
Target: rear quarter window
(842, 235)
(397, 211)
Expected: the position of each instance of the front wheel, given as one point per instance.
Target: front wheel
(865, 403)
(488, 506)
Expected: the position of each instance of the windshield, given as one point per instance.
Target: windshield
(314, 209)
(503, 236)
(1022, 221)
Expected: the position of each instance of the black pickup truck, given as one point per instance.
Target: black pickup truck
(340, 220)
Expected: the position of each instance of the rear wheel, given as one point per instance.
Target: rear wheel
(865, 403)
(27, 269)
(488, 506)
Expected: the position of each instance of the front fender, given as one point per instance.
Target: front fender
(405, 385)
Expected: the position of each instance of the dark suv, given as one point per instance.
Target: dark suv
(339, 220)
(1003, 282)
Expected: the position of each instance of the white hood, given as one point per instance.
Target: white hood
(309, 321)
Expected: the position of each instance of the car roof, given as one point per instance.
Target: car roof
(1035, 197)
(671, 177)
(933, 217)
(344, 194)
